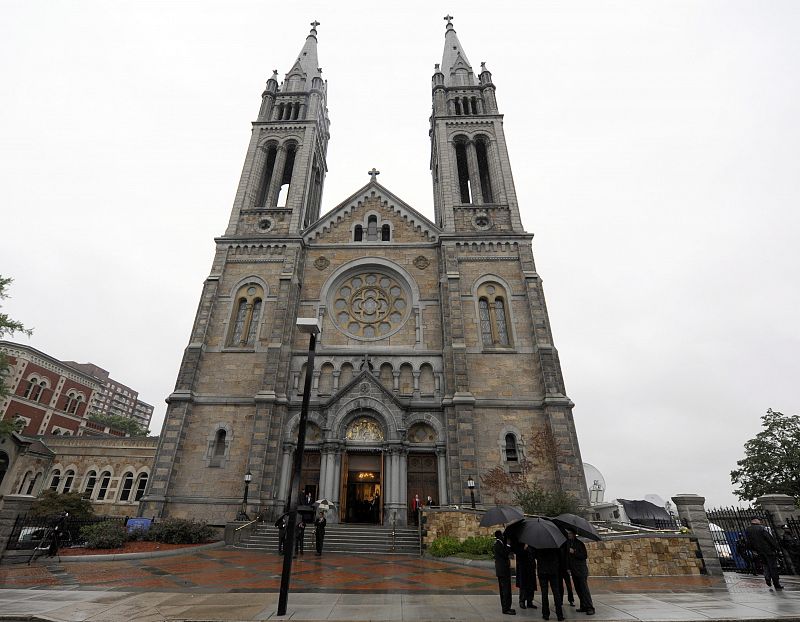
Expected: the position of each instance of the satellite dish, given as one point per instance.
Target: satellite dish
(656, 500)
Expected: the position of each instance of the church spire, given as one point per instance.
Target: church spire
(307, 63)
(455, 64)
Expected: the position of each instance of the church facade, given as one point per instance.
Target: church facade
(435, 362)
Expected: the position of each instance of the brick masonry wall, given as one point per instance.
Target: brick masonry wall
(620, 556)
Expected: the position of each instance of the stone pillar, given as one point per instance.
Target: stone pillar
(11, 507)
(336, 479)
(780, 507)
(441, 464)
(474, 174)
(322, 490)
(286, 467)
(277, 176)
(403, 483)
(692, 512)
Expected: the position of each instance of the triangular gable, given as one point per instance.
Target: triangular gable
(351, 390)
(387, 199)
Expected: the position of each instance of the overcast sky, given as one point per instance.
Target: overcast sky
(654, 147)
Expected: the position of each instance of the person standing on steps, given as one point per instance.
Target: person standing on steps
(319, 530)
(281, 525)
(764, 543)
(579, 569)
(502, 568)
(299, 535)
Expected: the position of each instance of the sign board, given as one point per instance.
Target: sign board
(138, 523)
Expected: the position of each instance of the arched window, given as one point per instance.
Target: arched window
(24, 483)
(269, 155)
(73, 401)
(35, 388)
(33, 484)
(286, 179)
(493, 315)
(55, 479)
(4, 462)
(141, 486)
(345, 375)
(127, 486)
(464, 185)
(91, 481)
(325, 380)
(482, 155)
(219, 443)
(386, 376)
(427, 384)
(372, 229)
(511, 448)
(246, 317)
(358, 233)
(105, 480)
(386, 233)
(406, 379)
(69, 478)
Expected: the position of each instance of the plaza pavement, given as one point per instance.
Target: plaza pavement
(230, 584)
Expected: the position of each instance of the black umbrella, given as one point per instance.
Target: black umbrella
(500, 515)
(579, 525)
(539, 533)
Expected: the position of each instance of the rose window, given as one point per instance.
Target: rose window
(370, 305)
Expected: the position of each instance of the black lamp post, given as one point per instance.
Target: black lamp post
(248, 477)
(471, 486)
(311, 327)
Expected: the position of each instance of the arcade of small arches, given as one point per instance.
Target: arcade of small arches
(404, 380)
(367, 469)
(96, 485)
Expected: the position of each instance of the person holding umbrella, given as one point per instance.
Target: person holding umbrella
(502, 568)
(548, 567)
(580, 572)
(526, 575)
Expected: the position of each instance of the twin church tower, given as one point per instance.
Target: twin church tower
(436, 361)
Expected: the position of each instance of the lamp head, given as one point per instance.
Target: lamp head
(309, 325)
(470, 482)
(248, 477)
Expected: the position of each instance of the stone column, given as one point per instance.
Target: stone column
(286, 467)
(322, 491)
(441, 463)
(336, 482)
(403, 482)
(277, 176)
(780, 507)
(474, 174)
(692, 512)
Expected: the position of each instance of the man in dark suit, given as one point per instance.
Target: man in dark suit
(299, 538)
(579, 569)
(319, 530)
(281, 525)
(763, 542)
(502, 568)
(548, 567)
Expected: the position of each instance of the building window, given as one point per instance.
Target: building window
(35, 389)
(32, 485)
(55, 480)
(386, 233)
(219, 448)
(127, 486)
(91, 481)
(493, 315)
(358, 233)
(246, 317)
(511, 448)
(25, 479)
(69, 478)
(141, 485)
(105, 480)
(372, 229)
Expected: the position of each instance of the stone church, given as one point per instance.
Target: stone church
(435, 362)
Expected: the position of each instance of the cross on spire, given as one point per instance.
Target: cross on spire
(314, 24)
(374, 174)
(448, 18)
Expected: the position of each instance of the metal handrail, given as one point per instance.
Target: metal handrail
(246, 524)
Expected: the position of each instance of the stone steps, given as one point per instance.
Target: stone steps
(362, 539)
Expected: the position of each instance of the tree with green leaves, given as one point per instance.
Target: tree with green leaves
(8, 327)
(118, 422)
(771, 462)
(51, 503)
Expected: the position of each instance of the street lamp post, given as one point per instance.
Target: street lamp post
(248, 477)
(311, 327)
(471, 486)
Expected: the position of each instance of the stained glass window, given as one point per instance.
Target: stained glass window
(486, 322)
(256, 316)
(238, 327)
(500, 318)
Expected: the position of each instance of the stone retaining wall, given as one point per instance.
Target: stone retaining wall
(639, 555)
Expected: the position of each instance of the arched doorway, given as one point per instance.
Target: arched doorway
(361, 494)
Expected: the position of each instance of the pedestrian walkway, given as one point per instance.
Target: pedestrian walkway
(229, 584)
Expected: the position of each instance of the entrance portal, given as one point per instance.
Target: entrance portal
(362, 490)
(423, 479)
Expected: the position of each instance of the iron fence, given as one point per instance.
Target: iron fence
(727, 526)
(30, 531)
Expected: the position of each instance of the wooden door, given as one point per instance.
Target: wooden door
(423, 479)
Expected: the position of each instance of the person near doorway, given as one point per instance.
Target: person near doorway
(376, 508)
(764, 543)
(299, 536)
(428, 501)
(309, 499)
(502, 569)
(579, 569)
(281, 525)
(319, 530)
(416, 504)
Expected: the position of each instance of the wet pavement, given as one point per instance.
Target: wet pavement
(231, 584)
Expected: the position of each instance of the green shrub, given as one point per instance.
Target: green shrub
(478, 545)
(179, 531)
(444, 546)
(50, 503)
(105, 535)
